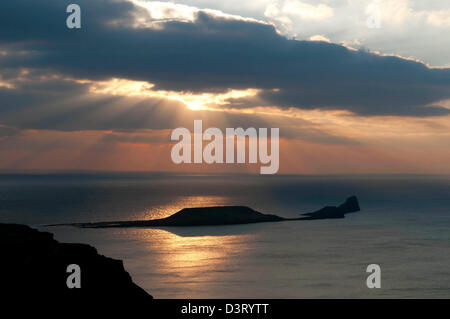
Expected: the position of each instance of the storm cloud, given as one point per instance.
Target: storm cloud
(213, 53)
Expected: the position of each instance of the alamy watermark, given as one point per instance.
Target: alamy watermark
(74, 279)
(374, 279)
(213, 152)
(73, 20)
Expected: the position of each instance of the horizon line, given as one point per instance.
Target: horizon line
(172, 173)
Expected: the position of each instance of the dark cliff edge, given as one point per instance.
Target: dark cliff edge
(225, 215)
(34, 267)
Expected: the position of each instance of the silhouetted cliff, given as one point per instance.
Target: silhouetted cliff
(34, 267)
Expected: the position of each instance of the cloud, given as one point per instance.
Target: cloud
(439, 18)
(6, 132)
(307, 11)
(319, 37)
(409, 28)
(138, 137)
(400, 12)
(127, 111)
(210, 53)
(293, 9)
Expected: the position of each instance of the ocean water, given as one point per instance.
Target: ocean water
(404, 226)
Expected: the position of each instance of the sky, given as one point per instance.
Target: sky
(354, 86)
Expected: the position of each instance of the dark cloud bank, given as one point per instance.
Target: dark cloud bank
(212, 54)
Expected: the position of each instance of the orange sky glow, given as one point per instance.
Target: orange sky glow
(341, 143)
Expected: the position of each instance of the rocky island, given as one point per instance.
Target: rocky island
(227, 215)
(351, 205)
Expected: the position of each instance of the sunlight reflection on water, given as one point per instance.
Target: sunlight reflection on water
(406, 234)
(193, 260)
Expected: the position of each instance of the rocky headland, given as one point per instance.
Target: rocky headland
(34, 267)
(227, 215)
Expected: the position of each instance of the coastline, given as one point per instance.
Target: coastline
(36, 266)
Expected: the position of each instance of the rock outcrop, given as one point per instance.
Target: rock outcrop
(34, 267)
(351, 205)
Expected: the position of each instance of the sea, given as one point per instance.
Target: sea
(403, 226)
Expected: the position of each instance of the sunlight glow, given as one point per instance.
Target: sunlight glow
(158, 12)
(193, 101)
(194, 258)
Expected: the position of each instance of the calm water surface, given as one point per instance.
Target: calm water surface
(404, 226)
